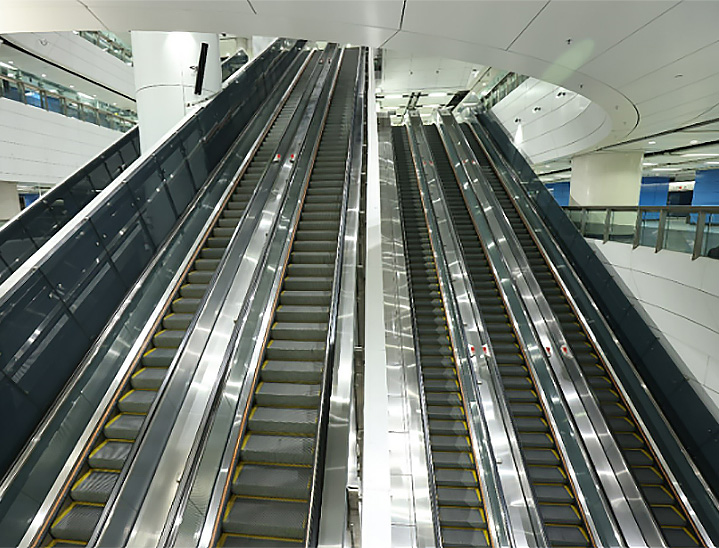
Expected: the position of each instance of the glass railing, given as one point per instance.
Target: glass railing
(500, 88)
(108, 42)
(685, 229)
(51, 315)
(27, 89)
(27, 232)
(233, 63)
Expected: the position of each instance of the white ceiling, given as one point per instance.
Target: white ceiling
(625, 55)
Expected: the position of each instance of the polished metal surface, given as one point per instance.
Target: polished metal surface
(168, 440)
(630, 510)
(376, 510)
(593, 323)
(594, 504)
(334, 512)
(413, 516)
(512, 510)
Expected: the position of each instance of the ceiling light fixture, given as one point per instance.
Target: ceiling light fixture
(438, 94)
(693, 142)
(44, 75)
(652, 143)
(666, 169)
(648, 164)
(712, 163)
(700, 155)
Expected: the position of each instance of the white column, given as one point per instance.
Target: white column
(606, 179)
(165, 71)
(9, 201)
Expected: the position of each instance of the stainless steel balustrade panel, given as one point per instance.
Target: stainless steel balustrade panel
(631, 512)
(334, 511)
(409, 468)
(593, 324)
(187, 406)
(462, 321)
(594, 505)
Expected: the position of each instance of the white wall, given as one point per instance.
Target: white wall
(9, 202)
(681, 298)
(79, 55)
(565, 125)
(43, 147)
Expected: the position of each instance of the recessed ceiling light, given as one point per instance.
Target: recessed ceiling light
(700, 155)
(648, 164)
(73, 87)
(484, 84)
(666, 169)
(11, 62)
(712, 163)
(693, 142)
(44, 75)
(652, 143)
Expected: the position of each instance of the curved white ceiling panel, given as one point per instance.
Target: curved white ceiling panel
(620, 54)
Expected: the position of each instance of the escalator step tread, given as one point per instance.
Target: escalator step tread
(565, 514)
(291, 350)
(473, 517)
(461, 537)
(168, 338)
(110, 455)
(158, 357)
(271, 518)
(273, 419)
(242, 541)
(124, 426)
(455, 477)
(77, 523)
(149, 378)
(288, 394)
(95, 486)
(299, 331)
(137, 401)
(278, 449)
(566, 535)
(273, 481)
(177, 320)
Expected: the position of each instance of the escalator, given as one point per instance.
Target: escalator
(658, 492)
(563, 521)
(462, 519)
(96, 473)
(268, 502)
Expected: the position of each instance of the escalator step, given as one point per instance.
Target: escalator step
(566, 536)
(451, 459)
(461, 537)
(158, 357)
(462, 517)
(272, 518)
(295, 350)
(110, 455)
(289, 313)
(137, 401)
(200, 276)
(299, 331)
(457, 496)
(455, 477)
(95, 486)
(168, 338)
(278, 449)
(177, 320)
(77, 523)
(273, 481)
(193, 291)
(288, 394)
(149, 378)
(241, 541)
(560, 513)
(124, 426)
(292, 372)
(272, 419)
(186, 305)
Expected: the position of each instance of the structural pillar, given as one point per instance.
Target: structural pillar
(9, 201)
(606, 179)
(165, 72)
